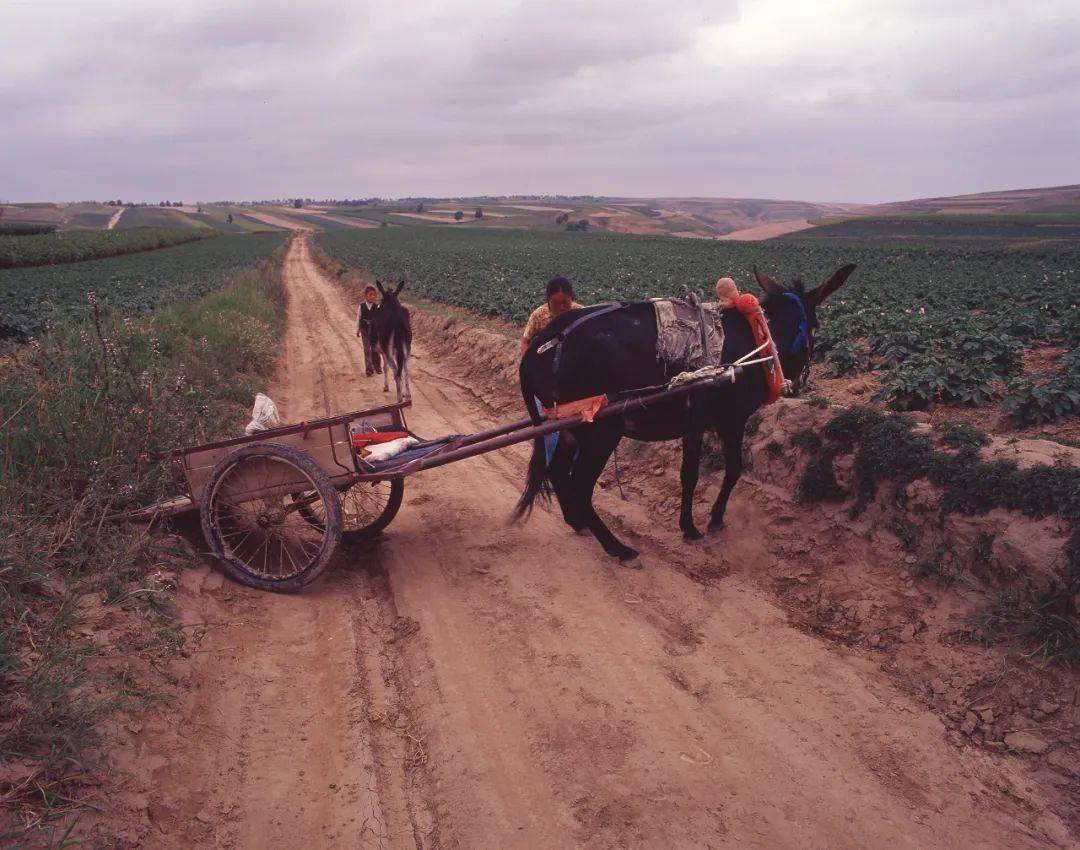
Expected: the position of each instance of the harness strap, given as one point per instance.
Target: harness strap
(802, 337)
(693, 302)
(557, 341)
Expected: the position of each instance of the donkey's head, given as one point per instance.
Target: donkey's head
(792, 313)
(389, 296)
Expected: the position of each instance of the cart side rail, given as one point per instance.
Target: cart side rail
(329, 445)
(389, 414)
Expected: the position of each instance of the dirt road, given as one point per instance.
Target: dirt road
(114, 219)
(467, 683)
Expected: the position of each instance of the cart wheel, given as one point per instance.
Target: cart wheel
(251, 516)
(367, 507)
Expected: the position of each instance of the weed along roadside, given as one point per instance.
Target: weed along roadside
(86, 625)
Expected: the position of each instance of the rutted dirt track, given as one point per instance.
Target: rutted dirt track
(467, 683)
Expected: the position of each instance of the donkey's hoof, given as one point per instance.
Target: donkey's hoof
(583, 531)
(626, 554)
(692, 534)
(716, 525)
(634, 563)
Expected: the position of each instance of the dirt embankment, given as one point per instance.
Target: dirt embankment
(468, 683)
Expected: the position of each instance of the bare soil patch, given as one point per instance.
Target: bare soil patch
(766, 231)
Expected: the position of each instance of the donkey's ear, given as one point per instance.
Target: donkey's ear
(400, 287)
(830, 285)
(379, 286)
(770, 286)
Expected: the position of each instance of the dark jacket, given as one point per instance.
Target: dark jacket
(364, 315)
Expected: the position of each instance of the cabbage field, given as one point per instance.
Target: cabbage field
(942, 324)
(132, 283)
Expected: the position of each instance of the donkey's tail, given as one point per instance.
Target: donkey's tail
(536, 482)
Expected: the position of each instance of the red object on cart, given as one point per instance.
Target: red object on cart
(363, 440)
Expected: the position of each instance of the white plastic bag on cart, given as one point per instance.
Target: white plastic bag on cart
(385, 451)
(264, 415)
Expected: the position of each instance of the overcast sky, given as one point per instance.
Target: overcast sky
(833, 100)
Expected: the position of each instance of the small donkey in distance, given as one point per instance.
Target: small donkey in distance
(392, 332)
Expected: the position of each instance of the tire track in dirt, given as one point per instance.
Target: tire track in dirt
(467, 683)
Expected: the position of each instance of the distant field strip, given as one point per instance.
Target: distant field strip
(77, 245)
(155, 217)
(133, 284)
(953, 228)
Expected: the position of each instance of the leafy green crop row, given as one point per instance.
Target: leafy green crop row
(76, 245)
(134, 283)
(25, 228)
(945, 324)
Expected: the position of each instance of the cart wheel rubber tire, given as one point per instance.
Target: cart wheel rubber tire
(235, 567)
(372, 529)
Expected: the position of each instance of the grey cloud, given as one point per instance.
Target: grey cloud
(869, 101)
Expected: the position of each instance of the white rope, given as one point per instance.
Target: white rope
(762, 347)
(754, 362)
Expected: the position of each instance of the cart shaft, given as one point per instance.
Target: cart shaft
(523, 430)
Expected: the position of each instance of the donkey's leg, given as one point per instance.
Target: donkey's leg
(559, 473)
(733, 466)
(398, 369)
(595, 447)
(388, 364)
(408, 387)
(688, 476)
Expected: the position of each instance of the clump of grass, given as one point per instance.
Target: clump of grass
(818, 482)
(936, 566)
(889, 451)
(806, 440)
(1043, 621)
(974, 486)
(959, 435)
(773, 449)
(906, 532)
(818, 401)
(712, 453)
(86, 407)
(847, 427)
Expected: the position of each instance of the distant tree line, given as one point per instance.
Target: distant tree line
(119, 203)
